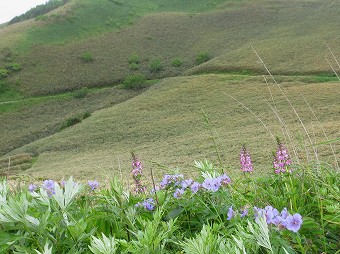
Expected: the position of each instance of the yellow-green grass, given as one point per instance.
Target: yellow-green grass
(290, 36)
(15, 164)
(26, 120)
(165, 126)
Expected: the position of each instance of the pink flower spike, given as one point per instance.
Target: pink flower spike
(245, 160)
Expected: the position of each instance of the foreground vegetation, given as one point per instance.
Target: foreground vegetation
(293, 210)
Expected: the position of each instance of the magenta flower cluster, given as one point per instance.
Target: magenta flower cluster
(245, 160)
(137, 172)
(281, 159)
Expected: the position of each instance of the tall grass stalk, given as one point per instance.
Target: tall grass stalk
(335, 59)
(329, 63)
(285, 129)
(257, 117)
(324, 133)
(287, 99)
(207, 123)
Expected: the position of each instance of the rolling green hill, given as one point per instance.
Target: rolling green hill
(290, 35)
(166, 125)
(193, 54)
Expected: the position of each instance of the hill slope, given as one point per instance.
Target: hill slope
(73, 47)
(166, 125)
(290, 35)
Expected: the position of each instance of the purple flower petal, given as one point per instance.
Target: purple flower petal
(230, 213)
(32, 187)
(294, 222)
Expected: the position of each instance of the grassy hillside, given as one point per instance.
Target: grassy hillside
(166, 125)
(50, 59)
(291, 36)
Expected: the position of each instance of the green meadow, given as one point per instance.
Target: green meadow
(151, 74)
(183, 126)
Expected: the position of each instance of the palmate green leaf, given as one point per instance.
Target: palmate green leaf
(77, 229)
(41, 197)
(22, 250)
(16, 211)
(7, 240)
(3, 192)
(154, 235)
(204, 243)
(103, 246)
(65, 196)
(261, 234)
(204, 166)
(47, 250)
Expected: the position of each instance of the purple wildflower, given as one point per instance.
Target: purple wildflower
(178, 193)
(244, 212)
(212, 184)
(258, 212)
(171, 180)
(32, 187)
(195, 187)
(148, 204)
(281, 159)
(137, 171)
(230, 213)
(62, 183)
(294, 222)
(224, 179)
(245, 160)
(281, 220)
(49, 186)
(186, 183)
(270, 213)
(284, 213)
(93, 185)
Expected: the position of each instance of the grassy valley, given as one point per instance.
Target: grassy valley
(228, 110)
(171, 45)
(166, 125)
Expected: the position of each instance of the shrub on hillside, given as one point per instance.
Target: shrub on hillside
(156, 65)
(81, 93)
(74, 120)
(135, 82)
(134, 59)
(134, 66)
(87, 57)
(13, 66)
(202, 57)
(176, 62)
(3, 73)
